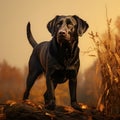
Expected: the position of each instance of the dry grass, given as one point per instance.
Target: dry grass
(108, 51)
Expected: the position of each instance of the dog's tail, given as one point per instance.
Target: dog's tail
(30, 36)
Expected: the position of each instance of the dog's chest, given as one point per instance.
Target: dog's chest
(62, 75)
(62, 68)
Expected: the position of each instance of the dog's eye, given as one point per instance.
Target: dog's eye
(69, 22)
(70, 25)
(59, 24)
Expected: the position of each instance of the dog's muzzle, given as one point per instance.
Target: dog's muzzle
(63, 36)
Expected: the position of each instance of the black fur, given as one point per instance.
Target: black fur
(58, 58)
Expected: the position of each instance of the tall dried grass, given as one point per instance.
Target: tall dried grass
(108, 51)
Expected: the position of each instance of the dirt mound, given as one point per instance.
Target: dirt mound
(31, 111)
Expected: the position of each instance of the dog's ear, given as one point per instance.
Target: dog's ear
(82, 25)
(51, 25)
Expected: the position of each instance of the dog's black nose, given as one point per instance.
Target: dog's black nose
(62, 32)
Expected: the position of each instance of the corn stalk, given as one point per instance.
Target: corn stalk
(109, 61)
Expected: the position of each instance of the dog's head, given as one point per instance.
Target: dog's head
(67, 28)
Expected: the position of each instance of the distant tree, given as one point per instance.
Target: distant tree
(11, 82)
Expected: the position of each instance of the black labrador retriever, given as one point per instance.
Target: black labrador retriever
(58, 58)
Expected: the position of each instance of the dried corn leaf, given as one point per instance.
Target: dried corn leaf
(110, 73)
(118, 71)
(117, 58)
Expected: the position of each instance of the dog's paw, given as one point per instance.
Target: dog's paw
(76, 106)
(51, 105)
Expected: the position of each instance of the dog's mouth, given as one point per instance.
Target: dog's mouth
(63, 39)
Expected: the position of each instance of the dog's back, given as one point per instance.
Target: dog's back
(40, 51)
(43, 53)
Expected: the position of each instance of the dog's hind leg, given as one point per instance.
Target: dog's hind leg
(30, 81)
(34, 72)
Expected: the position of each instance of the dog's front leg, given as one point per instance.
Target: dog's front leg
(73, 87)
(49, 95)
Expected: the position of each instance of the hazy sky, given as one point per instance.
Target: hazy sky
(14, 15)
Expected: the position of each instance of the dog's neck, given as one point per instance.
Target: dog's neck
(64, 53)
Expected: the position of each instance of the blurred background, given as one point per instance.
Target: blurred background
(15, 49)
